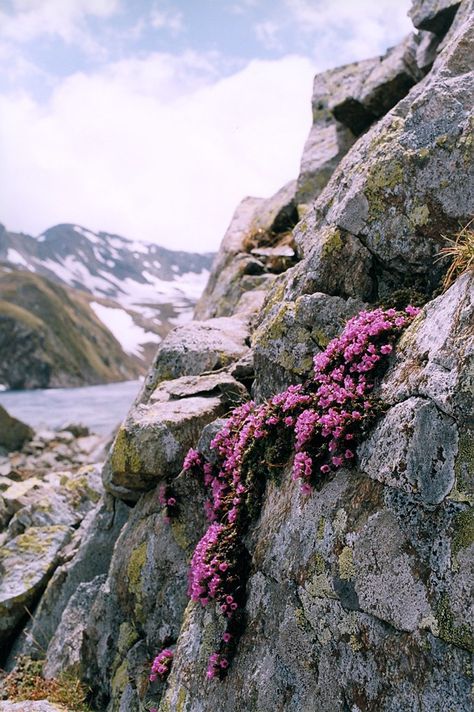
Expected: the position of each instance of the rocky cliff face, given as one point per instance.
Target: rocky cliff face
(357, 595)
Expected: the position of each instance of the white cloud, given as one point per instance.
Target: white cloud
(171, 20)
(117, 151)
(346, 31)
(267, 33)
(32, 18)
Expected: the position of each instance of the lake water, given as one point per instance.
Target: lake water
(101, 408)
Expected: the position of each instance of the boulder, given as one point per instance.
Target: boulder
(433, 15)
(87, 559)
(151, 444)
(428, 365)
(65, 648)
(256, 223)
(195, 348)
(378, 225)
(139, 608)
(291, 334)
(26, 563)
(13, 433)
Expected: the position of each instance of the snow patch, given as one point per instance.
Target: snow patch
(91, 236)
(16, 258)
(120, 323)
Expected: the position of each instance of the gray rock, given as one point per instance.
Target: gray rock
(433, 15)
(435, 358)
(64, 651)
(256, 220)
(143, 598)
(153, 440)
(389, 201)
(13, 433)
(337, 587)
(195, 348)
(291, 334)
(26, 564)
(414, 447)
(93, 546)
(426, 52)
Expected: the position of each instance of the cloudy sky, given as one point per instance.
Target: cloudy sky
(153, 118)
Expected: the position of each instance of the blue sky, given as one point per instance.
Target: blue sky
(153, 118)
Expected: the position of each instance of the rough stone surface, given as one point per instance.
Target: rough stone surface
(197, 347)
(255, 223)
(433, 15)
(414, 448)
(88, 558)
(26, 563)
(292, 334)
(338, 588)
(38, 706)
(64, 651)
(152, 442)
(436, 355)
(139, 609)
(401, 187)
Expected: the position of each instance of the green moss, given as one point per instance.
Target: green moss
(333, 244)
(182, 699)
(125, 456)
(126, 638)
(120, 680)
(80, 487)
(321, 527)
(464, 531)
(38, 540)
(320, 337)
(355, 643)
(463, 490)
(423, 154)
(320, 586)
(319, 563)
(384, 177)
(419, 215)
(461, 635)
(346, 564)
(134, 574)
(179, 533)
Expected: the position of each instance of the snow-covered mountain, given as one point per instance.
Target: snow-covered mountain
(138, 290)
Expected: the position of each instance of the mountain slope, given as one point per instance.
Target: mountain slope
(157, 288)
(50, 337)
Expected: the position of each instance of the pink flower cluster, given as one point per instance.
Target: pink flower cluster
(325, 418)
(192, 460)
(217, 663)
(161, 665)
(167, 499)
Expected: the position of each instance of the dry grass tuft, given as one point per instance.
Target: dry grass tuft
(26, 683)
(461, 251)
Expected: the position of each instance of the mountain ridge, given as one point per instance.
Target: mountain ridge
(139, 291)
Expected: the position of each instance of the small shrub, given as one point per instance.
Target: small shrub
(319, 423)
(26, 683)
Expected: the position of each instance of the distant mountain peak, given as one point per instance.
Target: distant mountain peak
(155, 287)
